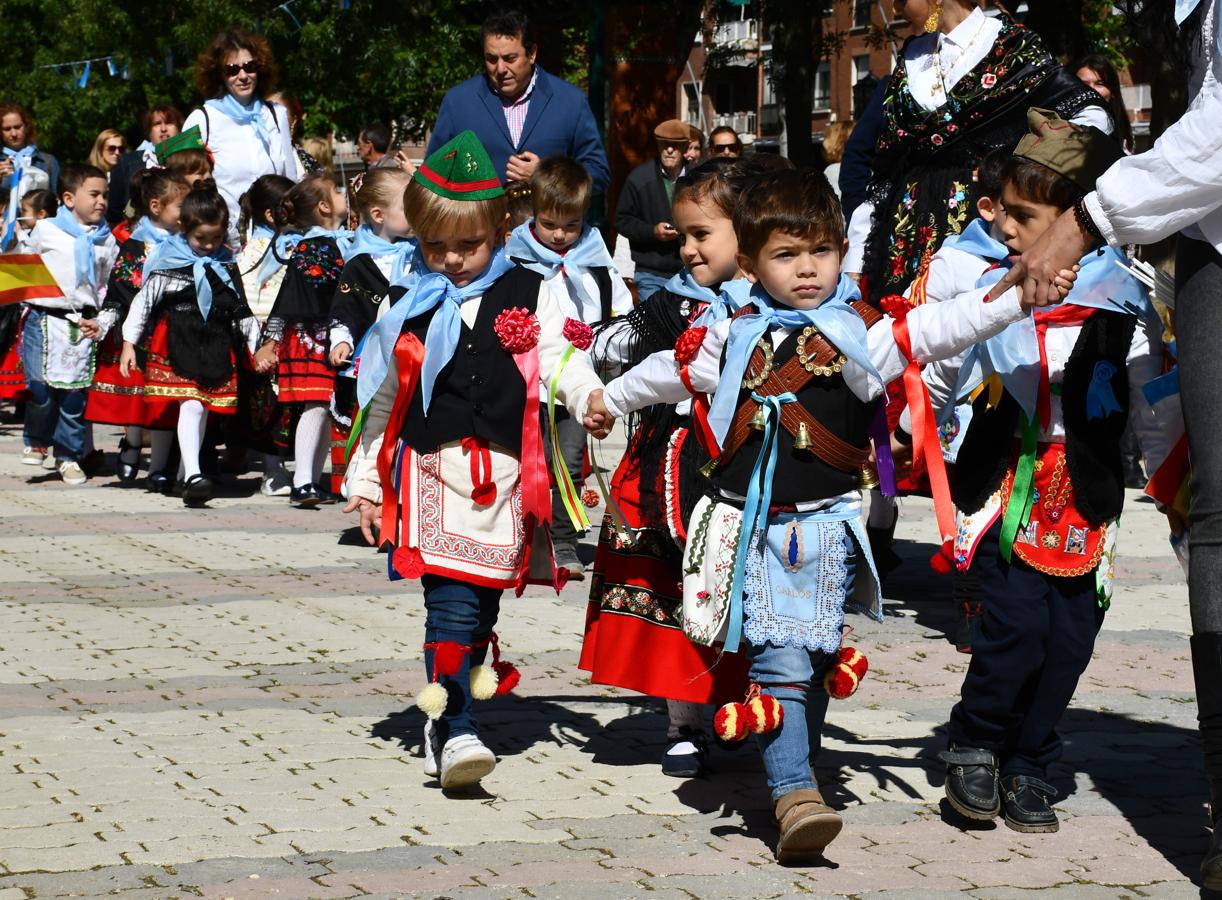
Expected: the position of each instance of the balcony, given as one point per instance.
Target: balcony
(740, 35)
(741, 122)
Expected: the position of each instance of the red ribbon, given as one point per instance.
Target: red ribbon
(700, 414)
(483, 488)
(925, 443)
(409, 357)
(536, 488)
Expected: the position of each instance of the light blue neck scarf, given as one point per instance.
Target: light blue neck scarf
(588, 252)
(282, 247)
(1184, 8)
(150, 232)
(734, 296)
(251, 115)
(1014, 354)
(682, 284)
(85, 239)
(428, 291)
(976, 240)
(176, 253)
(834, 317)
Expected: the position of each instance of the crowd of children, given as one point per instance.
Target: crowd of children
(461, 353)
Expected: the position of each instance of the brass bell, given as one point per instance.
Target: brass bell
(760, 420)
(801, 440)
(709, 469)
(869, 477)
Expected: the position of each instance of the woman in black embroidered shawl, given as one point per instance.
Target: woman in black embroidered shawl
(958, 91)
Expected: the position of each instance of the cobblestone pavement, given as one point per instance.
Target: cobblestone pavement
(215, 703)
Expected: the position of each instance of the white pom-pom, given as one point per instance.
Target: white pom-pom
(483, 682)
(432, 700)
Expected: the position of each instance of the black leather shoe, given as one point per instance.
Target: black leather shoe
(1028, 804)
(971, 782)
(324, 492)
(159, 483)
(689, 764)
(305, 497)
(126, 471)
(196, 490)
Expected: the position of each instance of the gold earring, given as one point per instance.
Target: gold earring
(935, 15)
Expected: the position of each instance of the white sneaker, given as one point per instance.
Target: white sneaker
(49, 462)
(464, 761)
(32, 457)
(277, 484)
(432, 749)
(72, 473)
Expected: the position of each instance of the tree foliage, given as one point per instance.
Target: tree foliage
(376, 59)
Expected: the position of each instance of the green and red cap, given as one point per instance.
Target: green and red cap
(460, 170)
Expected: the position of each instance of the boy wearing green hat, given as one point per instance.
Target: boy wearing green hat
(1039, 523)
(186, 154)
(451, 465)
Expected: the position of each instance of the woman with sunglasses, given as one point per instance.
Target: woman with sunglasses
(247, 135)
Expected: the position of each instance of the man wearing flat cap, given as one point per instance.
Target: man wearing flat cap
(643, 212)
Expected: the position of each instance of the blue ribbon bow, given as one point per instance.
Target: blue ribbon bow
(1100, 398)
(84, 240)
(428, 291)
(176, 253)
(588, 252)
(835, 319)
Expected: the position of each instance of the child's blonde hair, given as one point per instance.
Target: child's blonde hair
(561, 187)
(381, 188)
(429, 214)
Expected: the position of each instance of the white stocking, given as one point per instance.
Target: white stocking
(311, 444)
(192, 417)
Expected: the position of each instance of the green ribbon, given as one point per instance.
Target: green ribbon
(568, 491)
(1018, 510)
(358, 425)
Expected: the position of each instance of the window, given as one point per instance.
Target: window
(691, 103)
(861, 13)
(769, 95)
(861, 69)
(823, 88)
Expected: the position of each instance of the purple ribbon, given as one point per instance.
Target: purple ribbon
(880, 434)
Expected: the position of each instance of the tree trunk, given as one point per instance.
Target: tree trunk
(797, 39)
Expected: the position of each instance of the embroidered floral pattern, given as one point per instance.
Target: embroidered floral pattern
(129, 269)
(318, 260)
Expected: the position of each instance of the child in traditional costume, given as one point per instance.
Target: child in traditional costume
(776, 550)
(451, 461)
(57, 337)
(156, 196)
(192, 321)
(296, 334)
(557, 243)
(634, 623)
(1039, 523)
(35, 205)
(382, 250)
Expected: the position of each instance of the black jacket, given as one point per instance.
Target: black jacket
(857, 163)
(120, 182)
(643, 203)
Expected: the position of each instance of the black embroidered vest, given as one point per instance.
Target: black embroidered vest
(1092, 446)
(479, 392)
(800, 475)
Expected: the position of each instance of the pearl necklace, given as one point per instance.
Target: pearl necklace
(937, 58)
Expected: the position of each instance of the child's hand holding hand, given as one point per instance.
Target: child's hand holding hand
(901, 456)
(127, 359)
(265, 357)
(91, 329)
(1063, 282)
(597, 420)
(340, 354)
(371, 515)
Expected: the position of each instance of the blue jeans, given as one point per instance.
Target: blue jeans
(466, 614)
(54, 417)
(648, 284)
(794, 676)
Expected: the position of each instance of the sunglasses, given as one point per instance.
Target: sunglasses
(250, 67)
(722, 148)
(113, 148)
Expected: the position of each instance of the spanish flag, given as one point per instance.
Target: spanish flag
(24, 277)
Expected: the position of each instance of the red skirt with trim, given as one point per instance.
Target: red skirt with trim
(113, 399)
(634, 632)
(12, 374)
(303, 374)
(165, 389)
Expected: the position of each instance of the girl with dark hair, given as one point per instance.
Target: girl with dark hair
(115, 399)
(1098, 74)
(296, 335)
(191, 319)
(247, 135)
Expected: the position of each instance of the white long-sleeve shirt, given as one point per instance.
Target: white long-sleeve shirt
(58, 251)
(239, 157)
(1176, 185)
(576, 382)
(150, 294)
(936, 330)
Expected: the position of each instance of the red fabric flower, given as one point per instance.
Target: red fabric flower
(688, 345)
(408, 562)
(517, 329)
(578, 333)
(314, 271)
(137, 278)
(590, 498)
(301, 246)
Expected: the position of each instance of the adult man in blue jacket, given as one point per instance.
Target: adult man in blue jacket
(519, 112)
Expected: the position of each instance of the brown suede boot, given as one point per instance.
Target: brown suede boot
(807, 825)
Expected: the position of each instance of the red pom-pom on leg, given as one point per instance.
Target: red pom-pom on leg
(943, 562)
(730, 722)
(843, 678)
(764, 714)
(508, 676)
(447, 657)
